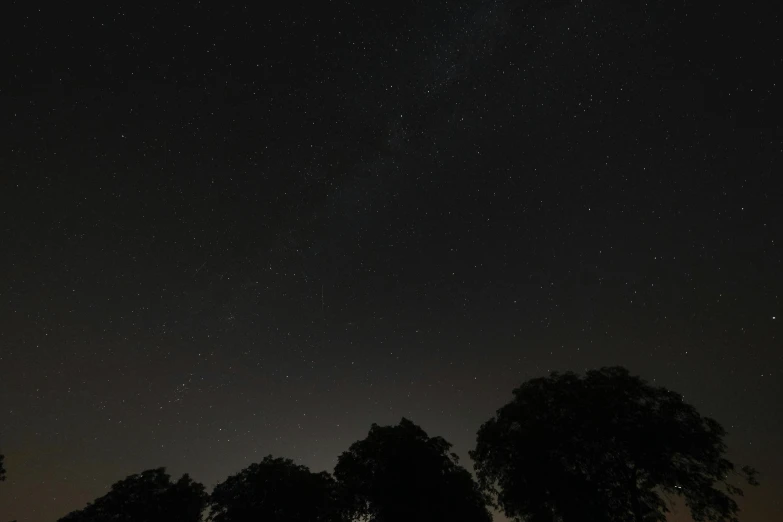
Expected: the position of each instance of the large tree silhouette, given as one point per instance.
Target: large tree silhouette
(398, 473)
(149, 496)
(604, 447)
(275, 490)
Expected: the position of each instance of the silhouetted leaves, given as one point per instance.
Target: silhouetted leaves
(274, 490)
(149, 496)
(398, 473)
(2, 467)
(603, 447)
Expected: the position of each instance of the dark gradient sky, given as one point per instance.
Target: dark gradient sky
(229, 231)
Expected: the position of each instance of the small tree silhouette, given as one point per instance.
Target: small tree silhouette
(149, 496)
(273, 490)
(400, 473)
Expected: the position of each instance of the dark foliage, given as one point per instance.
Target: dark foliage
(604, 447)
(149, 496)
(274, 490)
(2, 467)
(398, 473)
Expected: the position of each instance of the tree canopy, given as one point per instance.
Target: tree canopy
(607, 446)
(274, 490)
(149, 496)
(2, 467)
(398, 473)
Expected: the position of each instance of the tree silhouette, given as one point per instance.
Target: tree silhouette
(607, 446)
(2, 467)
(274, 490)
(149, 496)
(398, 473)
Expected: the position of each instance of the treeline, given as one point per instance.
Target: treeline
(396, 473)
(605, 446)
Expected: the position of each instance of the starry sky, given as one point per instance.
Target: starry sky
(228, 231)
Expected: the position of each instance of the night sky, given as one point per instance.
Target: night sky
(231, 231)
